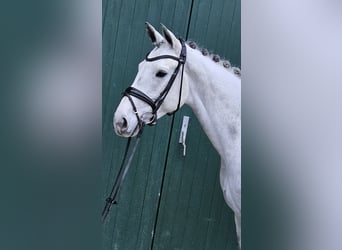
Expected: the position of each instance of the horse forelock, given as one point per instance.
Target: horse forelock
(215, 58)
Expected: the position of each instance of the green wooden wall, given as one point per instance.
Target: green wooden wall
(168, 201)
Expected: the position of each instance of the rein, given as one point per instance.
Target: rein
(155, 105)
(120, 177)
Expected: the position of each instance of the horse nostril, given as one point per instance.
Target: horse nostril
(124, 123)
(121, 125)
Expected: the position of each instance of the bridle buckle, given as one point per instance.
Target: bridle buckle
(182, 59)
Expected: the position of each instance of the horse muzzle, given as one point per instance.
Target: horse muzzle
(124, 126)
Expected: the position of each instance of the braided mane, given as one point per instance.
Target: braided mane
(216, 58)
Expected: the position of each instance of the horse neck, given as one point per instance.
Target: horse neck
(214, 96)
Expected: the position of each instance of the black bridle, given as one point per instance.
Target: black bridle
(155, 104)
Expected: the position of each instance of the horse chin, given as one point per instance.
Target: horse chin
(129, 132)
(132, 134)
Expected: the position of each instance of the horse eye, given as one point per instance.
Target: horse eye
(161, 74)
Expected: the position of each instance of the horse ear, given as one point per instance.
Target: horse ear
(170, 37)
(155, 36)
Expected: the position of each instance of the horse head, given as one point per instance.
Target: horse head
(160, 86)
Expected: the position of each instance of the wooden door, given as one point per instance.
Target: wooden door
(167, 201)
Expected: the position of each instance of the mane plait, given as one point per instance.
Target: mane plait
(216, 58)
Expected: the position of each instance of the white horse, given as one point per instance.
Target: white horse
(211, 87)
